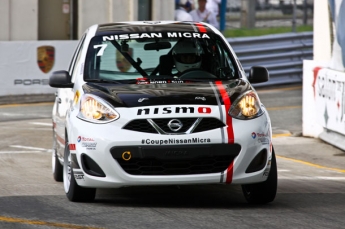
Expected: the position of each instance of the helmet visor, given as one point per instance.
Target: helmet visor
(187, 58)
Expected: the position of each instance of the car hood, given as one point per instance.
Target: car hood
(197, 93)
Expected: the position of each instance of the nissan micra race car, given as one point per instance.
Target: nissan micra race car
(160, 103)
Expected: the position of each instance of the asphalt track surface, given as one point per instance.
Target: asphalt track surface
(311, 185)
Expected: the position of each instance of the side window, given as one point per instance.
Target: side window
(72, 70)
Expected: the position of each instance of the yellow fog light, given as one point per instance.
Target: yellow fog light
(126, 155)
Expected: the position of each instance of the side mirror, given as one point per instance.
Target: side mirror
(60, 79)
(258, 74)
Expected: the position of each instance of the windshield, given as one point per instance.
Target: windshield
(158, 55)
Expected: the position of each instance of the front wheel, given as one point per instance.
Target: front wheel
(73, 191)
(56, 165)
(265, 192)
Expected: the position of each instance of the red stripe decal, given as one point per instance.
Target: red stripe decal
(72, 146)
(229, 173)
(60, 139)
(201, 27)
(227, 103)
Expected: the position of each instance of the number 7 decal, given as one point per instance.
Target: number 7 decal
(101, 51)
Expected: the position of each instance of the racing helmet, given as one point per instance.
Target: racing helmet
(186, 55)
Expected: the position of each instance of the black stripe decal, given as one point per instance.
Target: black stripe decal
(220, 109)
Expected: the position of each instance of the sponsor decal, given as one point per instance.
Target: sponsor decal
(30, 82)
(152, 81)
(72, 147)
(78, 175)
(262, 138)
(173, 141)
(158, 81)
(253, 135)
(89, 145)
(264, 141)
(142, 81)
(45, 58)
(156, 35)
(142, 99)
(85, 139)
(174, 110)
(177, 81)
(260, 135)
(200, 98)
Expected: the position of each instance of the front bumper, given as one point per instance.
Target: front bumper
(129, 158)
(175, 160)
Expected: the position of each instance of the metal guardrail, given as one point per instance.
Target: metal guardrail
(281, 54)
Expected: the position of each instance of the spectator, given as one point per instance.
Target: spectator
(204, 15)
(181, 11)
(213, 5)
(192, 5)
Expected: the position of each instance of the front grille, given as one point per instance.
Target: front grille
(201, 124)
(208, 124)
(140, 125)
(175, 159)
(176, 167)
(163, 124)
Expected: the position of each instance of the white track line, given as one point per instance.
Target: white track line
(18, 152)
(310, 178)
(29, 147)
(41, 123)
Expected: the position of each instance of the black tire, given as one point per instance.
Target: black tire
(57, 168)
(74, 192)
(265, 192)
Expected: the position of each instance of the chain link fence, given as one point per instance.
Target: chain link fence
(268, 13)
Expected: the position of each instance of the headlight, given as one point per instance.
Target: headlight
(94, 109)
(246, 106)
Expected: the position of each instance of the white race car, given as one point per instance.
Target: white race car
(160, 103)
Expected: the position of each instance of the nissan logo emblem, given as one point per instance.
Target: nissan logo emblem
(175, 125)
